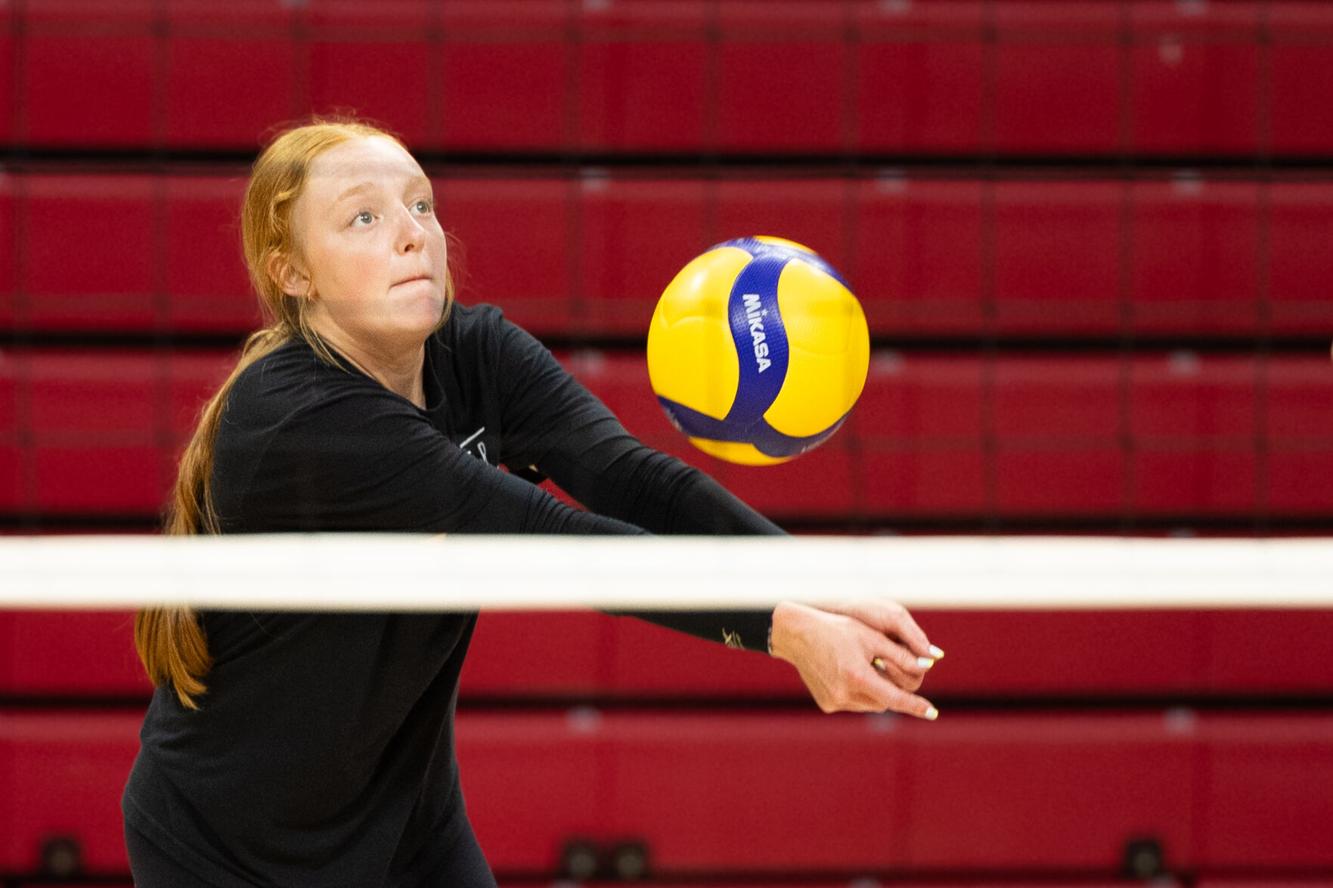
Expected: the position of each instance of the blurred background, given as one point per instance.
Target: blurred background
(1092, 240)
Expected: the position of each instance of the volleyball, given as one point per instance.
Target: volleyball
(758, 350)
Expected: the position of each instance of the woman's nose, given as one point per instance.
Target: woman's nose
(412, 236)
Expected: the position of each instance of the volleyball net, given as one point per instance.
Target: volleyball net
(387, 572)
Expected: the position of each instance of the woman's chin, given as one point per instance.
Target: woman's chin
(422, 314)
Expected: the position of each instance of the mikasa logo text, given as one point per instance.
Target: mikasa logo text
(755, 315)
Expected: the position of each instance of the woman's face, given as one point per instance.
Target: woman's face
(368, 241)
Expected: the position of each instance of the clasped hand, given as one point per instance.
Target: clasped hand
(862, 655)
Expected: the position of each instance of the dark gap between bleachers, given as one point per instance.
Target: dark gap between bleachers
(1241, 526)
(956, 703)
(1203, 344)
(657, 703)
(23, 157)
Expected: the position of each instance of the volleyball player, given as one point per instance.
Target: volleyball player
(307, 749)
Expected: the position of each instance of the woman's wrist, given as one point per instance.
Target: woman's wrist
(783, 629)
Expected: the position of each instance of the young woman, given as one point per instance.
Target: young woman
(315, 749)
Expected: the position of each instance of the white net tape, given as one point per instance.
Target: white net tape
(381, 572)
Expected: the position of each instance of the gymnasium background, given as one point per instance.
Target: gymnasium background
(1093, 243)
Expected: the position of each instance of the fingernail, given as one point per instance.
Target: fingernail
(925, 662)
(936, 652)
(932, 713)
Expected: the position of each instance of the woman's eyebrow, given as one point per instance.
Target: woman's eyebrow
(370, 186)
(355, 189)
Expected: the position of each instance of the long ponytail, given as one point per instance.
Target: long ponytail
(170, 640)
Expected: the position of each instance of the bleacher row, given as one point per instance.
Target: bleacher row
(1013, 435)
(557, 656)
(1165, 76)
(709, 791)
(1182, 255)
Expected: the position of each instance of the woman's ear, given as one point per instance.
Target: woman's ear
(288, 276)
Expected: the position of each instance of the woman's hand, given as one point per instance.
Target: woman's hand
(833, 648)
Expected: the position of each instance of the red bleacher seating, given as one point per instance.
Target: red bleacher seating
(991, 794)
(917, 249)
(7, 49)
(1265, 801)
(879, 783)
(90, 75)
(777, 68)
(1056, 266)
(1193, 420)
(1298, 212)
(1046, 791)
(89, 252)
(1032, 791)
(101, 431)
(918, 70)
(379, 59)
(194, 379)
(1302, 667)
(1260, 882)
(822, 480)
(204, 269)
(1035, 791)
(1055, 77)
(1302, 70)
(246, 46)
(1056, 427)
(8, 250)
(64, 773)
(74, 653)
(1297, 455)
(643, 77)
(513, 235)
(812, 212)
(506, 71)
(568, 654)
(621, 383)
(585, 653)
(1179, 257)
(825, 481)
(634, 235)
(13, 449)
(918, 425)
(1194, 77)
(1162, 653)
(1056, 435)
(547, 75)
(1193, 256)
(154, 253)
(14, 477)
(93, 419)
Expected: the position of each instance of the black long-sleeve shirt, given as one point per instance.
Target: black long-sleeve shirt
(323, 752)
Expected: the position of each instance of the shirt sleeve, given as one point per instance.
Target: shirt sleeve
(363, 459)
(555, 424)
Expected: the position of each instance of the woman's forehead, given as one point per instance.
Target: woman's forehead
(370, 160)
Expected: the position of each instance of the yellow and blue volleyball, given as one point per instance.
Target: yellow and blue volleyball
(758, 350)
